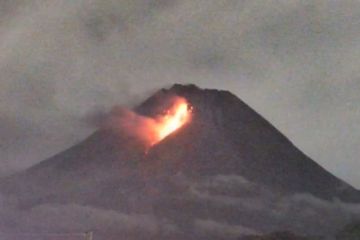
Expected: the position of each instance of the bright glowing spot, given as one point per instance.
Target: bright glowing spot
(151, 130)
(174, 118)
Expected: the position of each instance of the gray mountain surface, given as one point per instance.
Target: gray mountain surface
(227, 166)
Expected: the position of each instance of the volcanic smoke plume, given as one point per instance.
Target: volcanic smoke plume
(151, 130)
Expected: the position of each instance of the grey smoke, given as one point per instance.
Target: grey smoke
(295, 62)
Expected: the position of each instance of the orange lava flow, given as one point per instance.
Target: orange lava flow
(173, 119)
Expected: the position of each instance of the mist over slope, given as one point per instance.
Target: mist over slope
(228, 172)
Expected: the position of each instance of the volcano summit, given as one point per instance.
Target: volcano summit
(220, 166)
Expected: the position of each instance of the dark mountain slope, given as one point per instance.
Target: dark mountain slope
(224, 137)
(227, 137)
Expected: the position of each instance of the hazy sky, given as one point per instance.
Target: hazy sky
(295, 62)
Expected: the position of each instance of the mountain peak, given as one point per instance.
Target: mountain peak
(210, 105)
(196, 96)
(192, 90)
(224, 137)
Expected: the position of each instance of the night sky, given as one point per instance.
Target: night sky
(294, 62)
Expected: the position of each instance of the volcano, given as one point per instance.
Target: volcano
(225, 143)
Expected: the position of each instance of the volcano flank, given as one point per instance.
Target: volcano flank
(225, 143)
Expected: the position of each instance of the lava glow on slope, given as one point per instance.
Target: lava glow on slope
(173, 119)
(151, 130)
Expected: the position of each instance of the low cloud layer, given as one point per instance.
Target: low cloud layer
(207, 208)
(264, 211)
(211, 228)
(75, 220)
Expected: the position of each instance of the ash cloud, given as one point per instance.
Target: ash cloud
(138, 126)
(128, 122)
(295, 62)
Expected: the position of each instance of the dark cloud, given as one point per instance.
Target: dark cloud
(295, 62)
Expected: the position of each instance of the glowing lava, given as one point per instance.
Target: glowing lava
(174, 118)
(151, 130)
